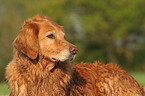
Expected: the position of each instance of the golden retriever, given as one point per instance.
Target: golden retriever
(42, 66)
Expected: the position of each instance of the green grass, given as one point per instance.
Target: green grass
(139, 76)
(4, 90)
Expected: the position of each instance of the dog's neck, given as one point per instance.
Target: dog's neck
(45, 63)
(54, 77)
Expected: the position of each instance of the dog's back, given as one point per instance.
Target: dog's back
(98, 79)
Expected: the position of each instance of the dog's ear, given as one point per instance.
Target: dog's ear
(27, 40)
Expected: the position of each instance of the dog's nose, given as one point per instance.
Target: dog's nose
(73, 50)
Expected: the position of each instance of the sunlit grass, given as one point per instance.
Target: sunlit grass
(4, 90)
(139, 76)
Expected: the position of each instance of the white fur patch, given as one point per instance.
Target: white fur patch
(64, 55)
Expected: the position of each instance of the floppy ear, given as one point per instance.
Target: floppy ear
(27, 40)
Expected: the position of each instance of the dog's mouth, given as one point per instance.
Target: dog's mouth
(54, 60)
(70, 58)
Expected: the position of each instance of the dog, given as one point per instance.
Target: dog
(42, 66)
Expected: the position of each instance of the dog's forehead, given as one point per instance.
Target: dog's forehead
(46, 28)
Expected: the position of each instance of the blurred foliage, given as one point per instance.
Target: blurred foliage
(109, 31)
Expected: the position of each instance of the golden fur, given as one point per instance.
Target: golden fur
(42, 66)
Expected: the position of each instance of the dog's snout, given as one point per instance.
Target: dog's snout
(73, 50)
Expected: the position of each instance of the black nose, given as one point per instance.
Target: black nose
(73, 50)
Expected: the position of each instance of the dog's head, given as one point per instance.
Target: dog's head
(43, 37)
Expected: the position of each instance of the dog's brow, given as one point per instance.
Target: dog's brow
(50, 31)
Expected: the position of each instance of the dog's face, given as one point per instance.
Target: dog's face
(41, 36)
(52, 43)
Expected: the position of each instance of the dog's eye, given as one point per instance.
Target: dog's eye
(51, 36)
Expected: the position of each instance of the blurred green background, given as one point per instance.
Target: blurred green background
(104, 30)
